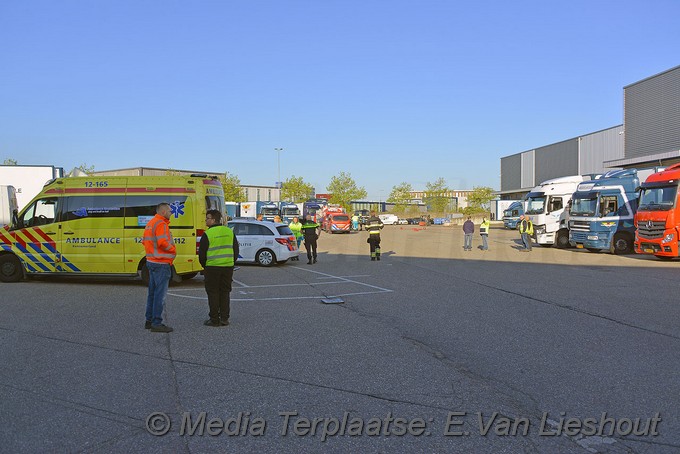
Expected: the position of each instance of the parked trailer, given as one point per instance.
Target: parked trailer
(8, 204)
(602, 211)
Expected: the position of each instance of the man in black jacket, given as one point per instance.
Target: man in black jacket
(310, 232)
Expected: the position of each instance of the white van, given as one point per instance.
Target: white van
(389, 219)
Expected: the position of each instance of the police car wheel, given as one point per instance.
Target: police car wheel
(265, 257)
(10, 268)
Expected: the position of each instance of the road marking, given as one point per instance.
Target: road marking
(337, 280)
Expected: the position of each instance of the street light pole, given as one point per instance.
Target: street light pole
(278, 153)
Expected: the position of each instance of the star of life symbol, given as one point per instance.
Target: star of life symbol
(177, 209)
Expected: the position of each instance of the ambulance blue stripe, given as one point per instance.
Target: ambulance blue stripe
(69, 264)
(29, 267)
(49, 247)
(32, 258)
(42, 253)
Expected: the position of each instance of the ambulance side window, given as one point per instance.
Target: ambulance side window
(42, 212)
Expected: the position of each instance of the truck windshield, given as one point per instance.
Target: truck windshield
(584, 206)
(536, 205)
(291, 211)
(511, 213)
(657, 199)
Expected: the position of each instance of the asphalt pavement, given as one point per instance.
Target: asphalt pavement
(432, 349)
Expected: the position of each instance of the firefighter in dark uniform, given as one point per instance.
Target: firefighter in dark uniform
(374, 226)
(310, 230)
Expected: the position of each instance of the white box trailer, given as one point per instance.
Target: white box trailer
(8, 204)
(28, 180)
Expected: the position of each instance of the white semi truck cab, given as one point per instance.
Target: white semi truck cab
(546, 207)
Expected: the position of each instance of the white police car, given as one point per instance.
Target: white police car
(263, 242)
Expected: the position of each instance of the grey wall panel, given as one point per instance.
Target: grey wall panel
(556, 160)
(652, 115)
(511, 172)
(598, 147)
(528, 169)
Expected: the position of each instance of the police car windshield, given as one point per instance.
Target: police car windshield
(658, 198)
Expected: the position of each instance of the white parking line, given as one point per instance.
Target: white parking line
(337, 280)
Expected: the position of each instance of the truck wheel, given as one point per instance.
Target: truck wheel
(621, 244)
(562, 240)
(10, 268)
(265, 257)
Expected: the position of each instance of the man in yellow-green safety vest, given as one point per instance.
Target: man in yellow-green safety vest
(217, 253)
(526, 229)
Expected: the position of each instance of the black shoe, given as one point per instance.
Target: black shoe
(224, 323)
(211, 323)
(309, 263)
(372, 259)
(147, 325)
(161, 329)
(314, 260)
(378, 258)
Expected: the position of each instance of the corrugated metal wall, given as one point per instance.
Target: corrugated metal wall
(511, 172)
(652, 115)
(598, 147)
(528, 169)
(556, 160)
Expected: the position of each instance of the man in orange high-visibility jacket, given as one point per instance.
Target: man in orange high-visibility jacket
(160, 253)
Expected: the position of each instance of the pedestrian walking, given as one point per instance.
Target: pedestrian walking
(310, 230)
(374, 227)
(355, 222)
(160, 253)
(526, 230)
(296, 228)
(468, 230)
(484, 232)
(216, 253)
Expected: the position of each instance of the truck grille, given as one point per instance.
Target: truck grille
(583, 226)
(651, 230)
(578, 236)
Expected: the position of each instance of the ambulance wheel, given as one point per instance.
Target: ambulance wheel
(10, 268)
(145, 275)
(265, 257)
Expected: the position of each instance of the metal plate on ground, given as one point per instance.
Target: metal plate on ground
(337, 300)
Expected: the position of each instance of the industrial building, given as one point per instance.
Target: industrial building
(649, 136)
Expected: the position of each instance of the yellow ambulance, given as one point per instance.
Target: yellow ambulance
(94, 226)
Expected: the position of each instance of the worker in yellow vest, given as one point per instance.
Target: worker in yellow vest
(526, 230)
(217, 253)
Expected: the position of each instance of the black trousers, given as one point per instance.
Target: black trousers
(310, 245)
(374, 242)
(218, 287)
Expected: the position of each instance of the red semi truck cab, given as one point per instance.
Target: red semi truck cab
(657, 221)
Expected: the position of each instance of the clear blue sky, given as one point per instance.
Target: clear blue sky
(390, 91)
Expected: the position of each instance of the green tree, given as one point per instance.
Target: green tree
(401, 197)
(343, 190)
(232, 188)
(479, 198)
(9, 162)
(436, 195)
(88, 170)
(296, 190)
